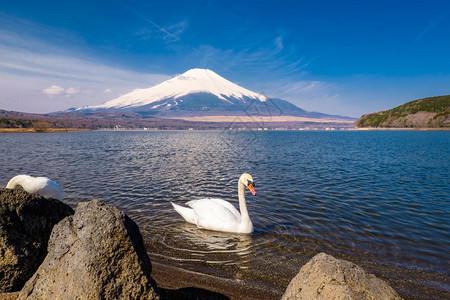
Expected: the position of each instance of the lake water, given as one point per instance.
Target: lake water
(378, 199)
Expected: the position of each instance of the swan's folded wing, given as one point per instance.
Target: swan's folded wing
(216, 214)
(187, 213)
(49, 188)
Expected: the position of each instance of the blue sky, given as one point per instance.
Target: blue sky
(337, 57)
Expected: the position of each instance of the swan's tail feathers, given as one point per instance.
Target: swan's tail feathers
(187, 213)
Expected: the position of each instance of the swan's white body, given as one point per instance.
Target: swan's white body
(218, 214)
(37, 185)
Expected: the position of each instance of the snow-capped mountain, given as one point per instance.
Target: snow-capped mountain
(195, 92)
(196, 89)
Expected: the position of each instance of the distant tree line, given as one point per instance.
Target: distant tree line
(15, 123)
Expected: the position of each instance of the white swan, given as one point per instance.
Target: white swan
(218, 214)
(37, 185)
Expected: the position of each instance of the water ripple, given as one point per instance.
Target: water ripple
(379, 199)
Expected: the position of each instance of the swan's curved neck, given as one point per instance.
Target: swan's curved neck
(242, 205)
(15, 182)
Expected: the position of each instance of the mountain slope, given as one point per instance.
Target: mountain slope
(429, 112)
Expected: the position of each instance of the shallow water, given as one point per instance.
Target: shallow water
(379, 199)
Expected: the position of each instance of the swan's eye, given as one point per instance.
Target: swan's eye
(249, 182)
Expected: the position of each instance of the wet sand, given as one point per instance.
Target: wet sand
(182, 284)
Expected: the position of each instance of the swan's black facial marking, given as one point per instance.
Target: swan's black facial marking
(249, 182)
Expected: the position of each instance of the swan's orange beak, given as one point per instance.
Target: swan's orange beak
(252, 189)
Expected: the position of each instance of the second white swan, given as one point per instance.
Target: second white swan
(37, 185)
(218, 214)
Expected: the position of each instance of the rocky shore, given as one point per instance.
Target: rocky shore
(49, 251)
(26, 222)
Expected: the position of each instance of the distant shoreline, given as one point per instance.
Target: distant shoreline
(260, 119)
(32, 130)
(401, 129)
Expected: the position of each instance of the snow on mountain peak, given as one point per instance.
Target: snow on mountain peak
(192, 81)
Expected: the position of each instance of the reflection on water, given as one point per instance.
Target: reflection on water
(198, 245)
(379, 199)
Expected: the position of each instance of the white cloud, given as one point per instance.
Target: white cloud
(107, 91)
(72, 91)
(58, 91)
(54, 90)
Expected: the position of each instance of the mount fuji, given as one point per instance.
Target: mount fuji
(199, 92)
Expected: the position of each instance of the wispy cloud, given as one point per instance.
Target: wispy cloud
(167, 34)
(270, 59)
(429, 27)
(278, 43)
(34, 74)
(48, 61)
(178, 29)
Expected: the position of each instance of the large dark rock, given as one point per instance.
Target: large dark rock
(97, 253)
(325, 277)
(26, 221)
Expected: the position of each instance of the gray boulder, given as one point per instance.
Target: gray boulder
(97, 253)
(26, 222)
(325, 277)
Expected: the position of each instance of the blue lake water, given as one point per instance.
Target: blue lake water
(378, 199)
